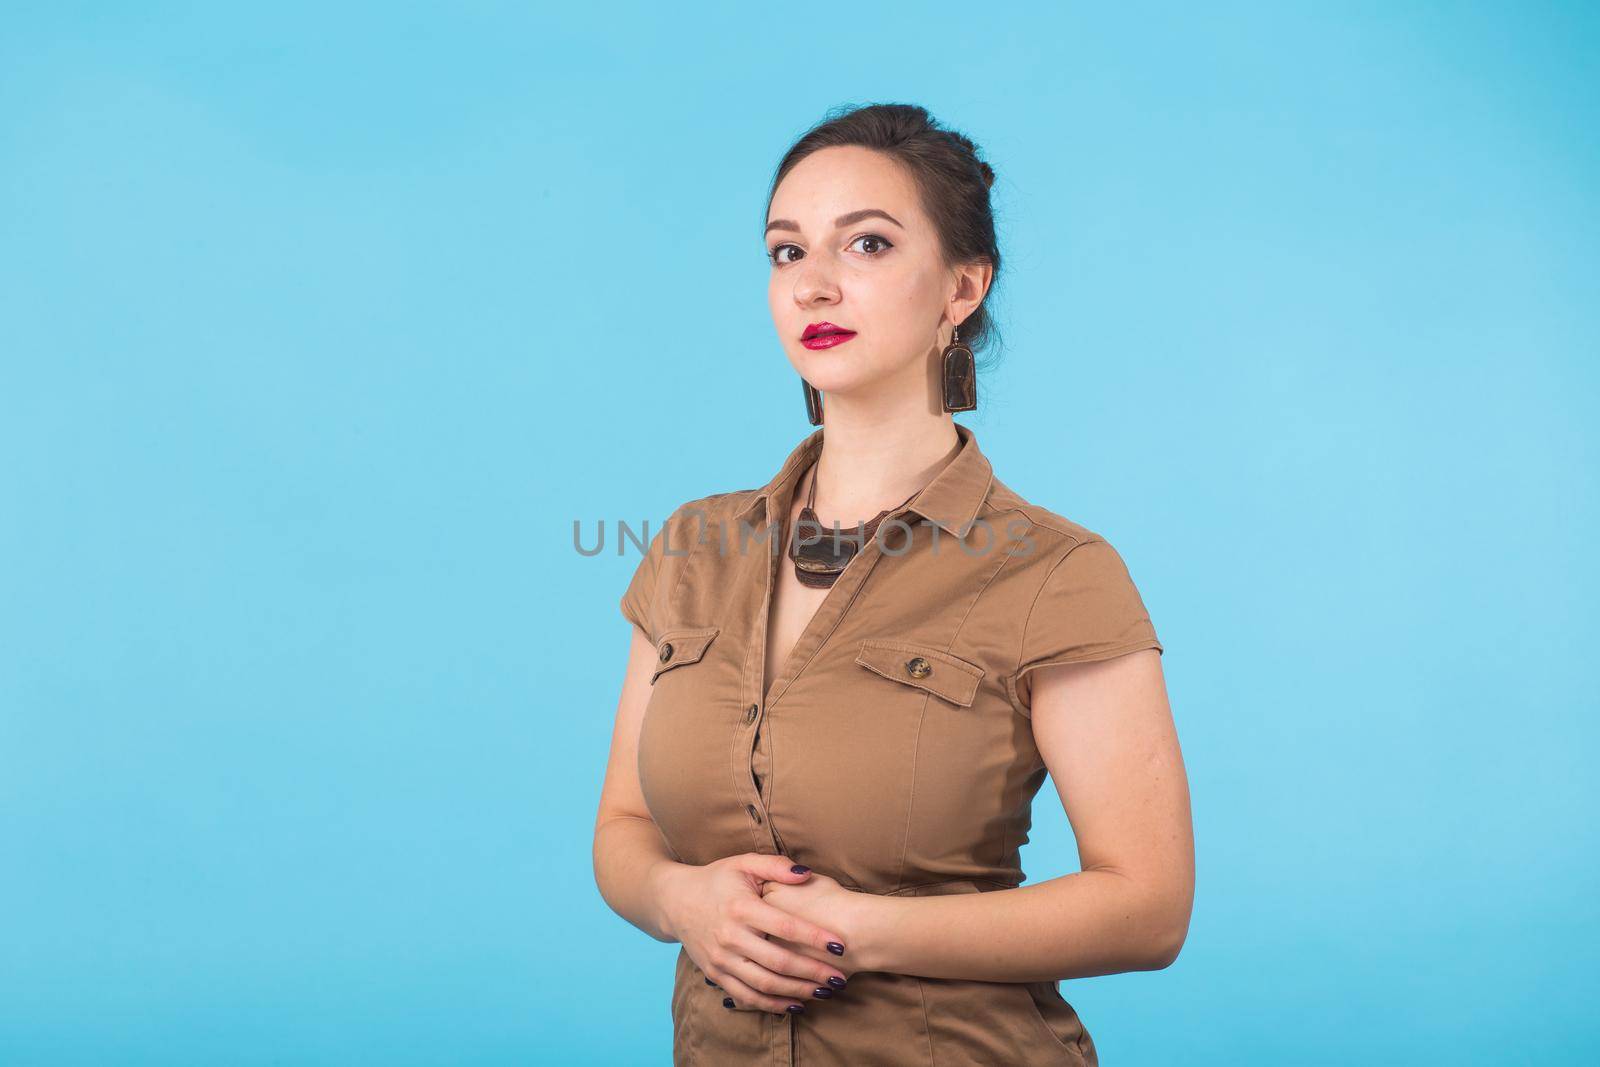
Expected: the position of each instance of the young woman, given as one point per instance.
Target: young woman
(846, 686)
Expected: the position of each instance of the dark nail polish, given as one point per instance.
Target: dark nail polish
(800, 868)
(837, 983)
(822, 992)
(727, 1002)
(836, 948)
(710, 983)
(796, 1009)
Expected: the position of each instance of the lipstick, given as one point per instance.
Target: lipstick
(825, 335)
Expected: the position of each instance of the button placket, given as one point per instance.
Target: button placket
(749, 747)
(752, 720)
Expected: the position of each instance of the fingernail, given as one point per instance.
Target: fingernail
(796, 1009)
(836, 948)
(710, 983)
(822, 992)
(727, 1002)
(837, 983)
(800, 868)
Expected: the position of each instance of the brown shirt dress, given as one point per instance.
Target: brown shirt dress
(893, 751)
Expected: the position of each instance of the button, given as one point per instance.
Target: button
(666, 652)
(750, 714)
(754, 814)
(918, 667)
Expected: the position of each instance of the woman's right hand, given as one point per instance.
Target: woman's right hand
(717, 913)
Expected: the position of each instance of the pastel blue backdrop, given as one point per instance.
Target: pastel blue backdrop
(320, 326)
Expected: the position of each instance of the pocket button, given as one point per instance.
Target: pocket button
(666, 652)
(918, 667)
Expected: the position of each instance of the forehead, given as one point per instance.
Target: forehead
(832, 181)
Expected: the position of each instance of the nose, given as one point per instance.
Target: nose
(814, 282)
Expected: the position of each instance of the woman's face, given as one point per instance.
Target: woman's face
(850, 246)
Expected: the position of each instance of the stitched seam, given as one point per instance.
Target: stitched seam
(698, 649)
(927, 1027)
(1022, 645)
(911, 794)
(822, 638)
(942, 655)
(688, 554)
(917, 683)
(1005, 834)
(973, 604)
(737, 757)
(1102, 653)
(733, 778)
(736, 746)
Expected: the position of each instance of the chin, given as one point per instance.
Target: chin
(837, 372)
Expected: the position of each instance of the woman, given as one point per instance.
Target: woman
(827, 747)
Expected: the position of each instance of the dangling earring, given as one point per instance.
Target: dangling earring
(813, 403)
(960, 377)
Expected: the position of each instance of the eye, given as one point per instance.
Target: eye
(775, 254)
(875, 238)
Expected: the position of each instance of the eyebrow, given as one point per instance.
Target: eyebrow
(838, 223)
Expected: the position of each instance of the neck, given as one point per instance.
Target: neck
(870, 464)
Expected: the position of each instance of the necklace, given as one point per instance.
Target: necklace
(820, 557)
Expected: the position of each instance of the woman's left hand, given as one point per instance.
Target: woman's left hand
(824, 901)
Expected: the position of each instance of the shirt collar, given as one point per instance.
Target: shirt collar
(952, 500)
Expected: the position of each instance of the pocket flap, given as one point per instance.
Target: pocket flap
(676, 648)
(945, 676)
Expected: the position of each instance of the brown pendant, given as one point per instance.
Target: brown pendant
(819, 553)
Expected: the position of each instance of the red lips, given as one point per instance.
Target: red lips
(817, 329)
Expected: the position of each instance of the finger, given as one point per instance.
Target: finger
(746, 997)
(774, 868)
(779, 923)
(782, 989)
(796, 974)
(812, 954)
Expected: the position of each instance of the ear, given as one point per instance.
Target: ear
(972, 282)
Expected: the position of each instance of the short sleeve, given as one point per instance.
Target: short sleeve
(1087, 609)
(638, 600)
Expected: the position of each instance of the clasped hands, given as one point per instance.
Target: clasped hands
(771, 934)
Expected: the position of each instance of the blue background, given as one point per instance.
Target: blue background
(320, 327)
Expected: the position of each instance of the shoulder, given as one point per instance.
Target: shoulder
(723, 504)
(1054, 535)
(702, 518)
(712, 520)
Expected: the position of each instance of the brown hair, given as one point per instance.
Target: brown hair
(953, 182)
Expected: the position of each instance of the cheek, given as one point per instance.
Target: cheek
(904, 303)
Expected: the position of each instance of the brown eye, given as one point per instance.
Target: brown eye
(776, 255)
(883, 242)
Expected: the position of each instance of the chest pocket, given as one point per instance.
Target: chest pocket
(681, 647)
(923, 667)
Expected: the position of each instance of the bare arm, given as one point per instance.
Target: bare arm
(629, 854)
(1105, 731)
